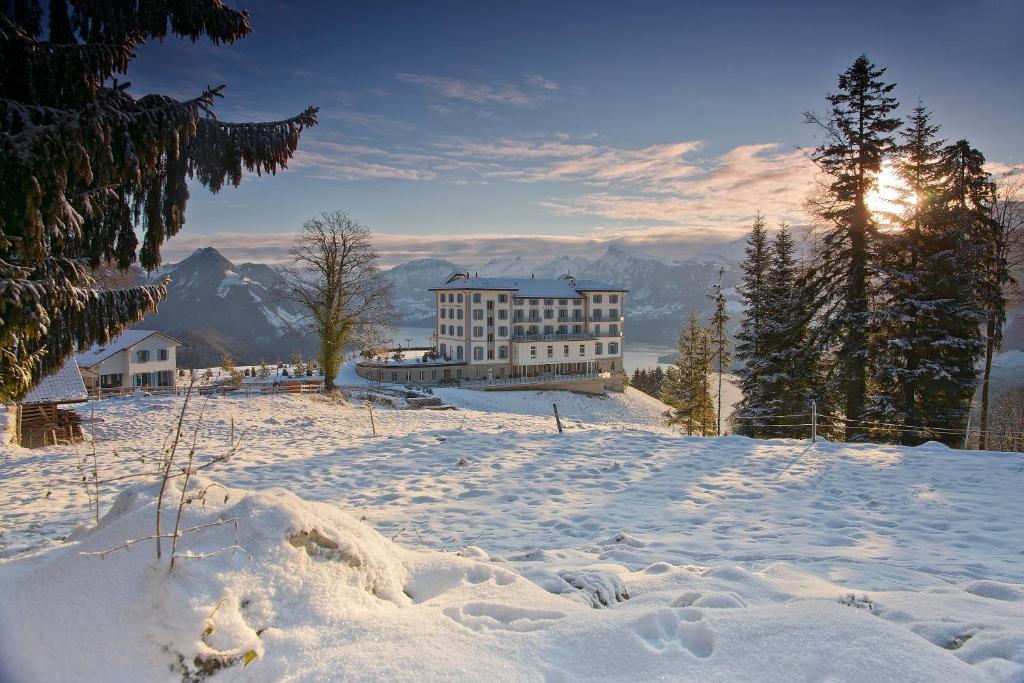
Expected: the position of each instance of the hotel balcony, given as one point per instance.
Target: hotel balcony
(556, 336)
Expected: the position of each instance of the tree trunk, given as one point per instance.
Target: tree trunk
(990, 344)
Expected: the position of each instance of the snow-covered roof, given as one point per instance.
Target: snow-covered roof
(563, 287)
(63, 386)
(129, 338)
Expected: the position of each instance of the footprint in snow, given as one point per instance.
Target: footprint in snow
(668, 629)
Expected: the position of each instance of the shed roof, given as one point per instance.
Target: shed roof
(563, 288)
(63, 386)
(127, 339)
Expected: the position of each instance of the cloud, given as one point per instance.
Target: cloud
(539, 81)
(332, 161)
(719, 194)
(478, 92)
(376, 123)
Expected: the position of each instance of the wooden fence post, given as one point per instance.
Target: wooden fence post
(558, 420)
(373, 425)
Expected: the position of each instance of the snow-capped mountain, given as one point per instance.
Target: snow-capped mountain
(661, 291)
(217, 307)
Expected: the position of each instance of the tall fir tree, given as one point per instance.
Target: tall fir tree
(858, 132)
(720, 342)
(904, 322)
(954, 268)
(84, 164)
(751, 411)
(786, 377)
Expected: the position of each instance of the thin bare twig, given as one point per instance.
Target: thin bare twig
(219, 522)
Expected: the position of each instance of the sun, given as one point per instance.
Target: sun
(886, 202)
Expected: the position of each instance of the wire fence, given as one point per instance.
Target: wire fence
(1003, 439)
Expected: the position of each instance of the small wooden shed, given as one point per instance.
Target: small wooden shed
(41, 421)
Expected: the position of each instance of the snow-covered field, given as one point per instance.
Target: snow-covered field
(476, 543)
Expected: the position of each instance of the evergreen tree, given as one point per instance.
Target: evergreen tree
(784, 374)
(720, 342)
(751, 409)
(904, 320)
(858, 137)
(687, 386)
(953, 271)
(84, 164)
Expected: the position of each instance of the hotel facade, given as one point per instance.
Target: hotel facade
(499, 331)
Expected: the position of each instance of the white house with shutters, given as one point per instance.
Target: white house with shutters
(137, 358)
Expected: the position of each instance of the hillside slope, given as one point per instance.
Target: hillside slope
(475, 544)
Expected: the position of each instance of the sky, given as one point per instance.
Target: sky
(473, 130)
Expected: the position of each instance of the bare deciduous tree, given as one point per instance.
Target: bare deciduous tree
(1004, 256)
(336, 279)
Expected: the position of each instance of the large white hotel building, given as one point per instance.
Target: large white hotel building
(496, 328)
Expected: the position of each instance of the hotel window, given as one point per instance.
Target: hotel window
(519, 301)
(563, 302)
(534, 329)
(613, 348)
(503, 298)
(460, 331)
(490, 305)
(502, 331)
(162, 354)
(613, 298)
(563, 329)
(563, 314)
(533, 352)
(458, 313)
(598, 349)
(490, 354)
(142, 356)
(502, 352)
(443, 329)
(597, 329)
(476, 297)
(519, 314)
(444, 312)
(549, 329)
(110, 381)
(478, 353)
(583, 349)
(549, 313)
(478, 314)
(534, 302)
(502, 314)
(597, 298)
(460, 298)
(444, 350)
(577, 302)
(478, 331)
(548, 302)
(565, 350)
(613, 313)
(613, 330)
(577, 329)
(518, 330)
(459, 353)
(551, 351)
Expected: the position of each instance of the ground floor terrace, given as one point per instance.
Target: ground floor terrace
(418, 371)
